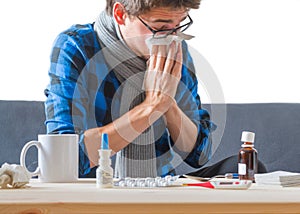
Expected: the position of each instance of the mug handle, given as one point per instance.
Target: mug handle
(23, 155)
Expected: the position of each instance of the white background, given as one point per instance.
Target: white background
(253, 46)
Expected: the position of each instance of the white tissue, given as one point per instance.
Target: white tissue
(13, 175)
(167, 40)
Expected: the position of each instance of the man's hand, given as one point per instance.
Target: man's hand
(161, 82)
(163, 75)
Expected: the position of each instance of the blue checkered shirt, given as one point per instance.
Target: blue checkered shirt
(81, 92)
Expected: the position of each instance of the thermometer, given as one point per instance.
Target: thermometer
(232, 184)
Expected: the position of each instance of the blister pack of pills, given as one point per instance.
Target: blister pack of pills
(146, 182)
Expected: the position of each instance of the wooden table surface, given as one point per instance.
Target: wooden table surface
(84, 197)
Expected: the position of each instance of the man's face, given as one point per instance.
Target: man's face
(135, 32)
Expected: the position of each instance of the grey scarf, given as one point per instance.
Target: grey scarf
(138, 159)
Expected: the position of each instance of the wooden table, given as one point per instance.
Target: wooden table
(84, 197)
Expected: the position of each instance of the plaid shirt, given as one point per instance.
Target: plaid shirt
(81, 95)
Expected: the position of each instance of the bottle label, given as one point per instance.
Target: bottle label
(104, 178)
(242, 167)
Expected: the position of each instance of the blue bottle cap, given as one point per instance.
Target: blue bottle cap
(104, 141)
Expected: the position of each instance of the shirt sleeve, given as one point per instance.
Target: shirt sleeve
(189, 102)
(63, 108)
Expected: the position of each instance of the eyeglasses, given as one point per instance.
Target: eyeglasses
(166, 32)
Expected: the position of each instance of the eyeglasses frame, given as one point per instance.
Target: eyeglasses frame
(171, 31)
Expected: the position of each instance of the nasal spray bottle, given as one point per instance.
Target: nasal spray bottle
(104, 172)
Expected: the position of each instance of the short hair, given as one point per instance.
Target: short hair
(138, 7)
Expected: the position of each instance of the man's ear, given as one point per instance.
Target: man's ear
(119, 13)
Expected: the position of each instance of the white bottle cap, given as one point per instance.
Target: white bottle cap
(248, 136)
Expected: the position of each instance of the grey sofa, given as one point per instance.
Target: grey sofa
(277, 128)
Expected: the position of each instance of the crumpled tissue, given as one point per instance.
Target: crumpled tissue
(13, 176)
(167, 40)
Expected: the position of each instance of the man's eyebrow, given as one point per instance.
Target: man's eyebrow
(168, 20)
(163, 20)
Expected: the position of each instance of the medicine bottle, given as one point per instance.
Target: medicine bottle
(104, 172)
(247, 158)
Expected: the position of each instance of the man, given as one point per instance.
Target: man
(105, 78)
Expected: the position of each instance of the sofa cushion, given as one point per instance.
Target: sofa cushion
(277, 132)
(20, 122)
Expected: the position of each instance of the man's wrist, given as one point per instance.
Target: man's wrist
(173, 110)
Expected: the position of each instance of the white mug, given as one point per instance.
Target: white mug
(57, 157)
